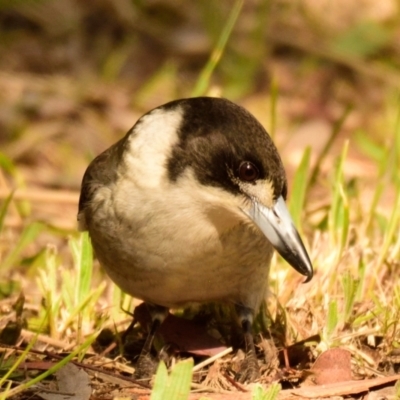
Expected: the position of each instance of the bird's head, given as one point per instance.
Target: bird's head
(226, 147)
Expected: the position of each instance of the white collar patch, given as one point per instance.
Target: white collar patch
(150, 144)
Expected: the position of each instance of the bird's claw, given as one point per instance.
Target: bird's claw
(145, 367)
(249, 369)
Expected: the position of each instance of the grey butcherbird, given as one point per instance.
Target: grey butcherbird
(187, 208)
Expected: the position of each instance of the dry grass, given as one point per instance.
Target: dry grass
(341, 104)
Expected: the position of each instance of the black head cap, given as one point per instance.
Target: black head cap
(216, 136)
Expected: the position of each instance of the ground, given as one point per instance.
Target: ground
(322, 78)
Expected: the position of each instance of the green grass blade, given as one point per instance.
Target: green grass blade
(47, 283)
(28, 235)
(325, 151)
(274, 94)
(165, 77)
(82, 252)
(369, 147)
(7, 164)
(160, 382)
(392, 229)
(24, 386)
(299, 188)
(350, 288)
(85, 266)
(83, 308)
(175, 386)
(331, 321)
(344, 225)
(204, 79)
(361, 278)
(180, 380)
(4, 209)
(19, 360)
(378, 192)
(271, 393)
(339, 215)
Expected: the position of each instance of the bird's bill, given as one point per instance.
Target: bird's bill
(277, 225)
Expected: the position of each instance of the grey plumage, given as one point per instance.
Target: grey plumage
(185, 207)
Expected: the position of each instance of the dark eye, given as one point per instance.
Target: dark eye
(248, 171)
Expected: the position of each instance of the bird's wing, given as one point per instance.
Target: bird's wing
(102, 171)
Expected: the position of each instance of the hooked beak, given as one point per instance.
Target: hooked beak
(277, 225)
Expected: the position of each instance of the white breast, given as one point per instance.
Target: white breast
(182, 243)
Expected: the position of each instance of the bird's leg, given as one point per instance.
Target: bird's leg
(249, 370)
(158, 315)
(145, 365)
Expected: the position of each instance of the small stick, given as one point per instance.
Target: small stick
(212, 359)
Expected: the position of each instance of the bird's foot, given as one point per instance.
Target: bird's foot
(249, 369)
(145, 367)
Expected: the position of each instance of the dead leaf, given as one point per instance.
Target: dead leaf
(189, 336)
(334, 365)
(73, 384)
(343, 388)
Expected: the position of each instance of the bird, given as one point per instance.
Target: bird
(188, 207)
